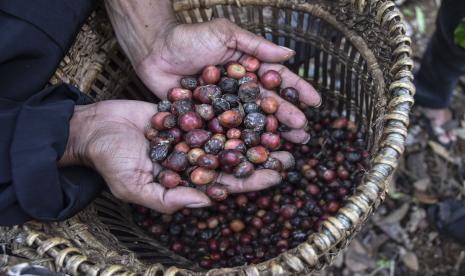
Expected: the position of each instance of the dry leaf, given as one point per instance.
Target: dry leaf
(397, 215)
(442, 151)
(422, 184)
(425, 198)
(410, 259)
(416, 217)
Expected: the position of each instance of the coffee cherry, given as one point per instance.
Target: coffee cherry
(219, 136)
(181, 107)
(197, 137)
(169, 179)
(178, 94)
(231, 118)
(271, 124)
(233, 133)
(255, 121)
(270, 140)
(217, 192)
(205, 94)
(228, 85)
(250, 137)
(251, 108)
(189, 83)
(248, 77)
(176, 161)
(236, 225)
(213, 146)
(215, 126)
(211, 74)
(157, 120)
(339, 123)
(232, 99)
(202, 176)
(182, 147)
(189, 121)
(220, 105)
(159, 152)
(164, 106)
(208, 161)
(231, 157)
(235, 71)
(241, 200)
(151, 133)
(269, 105)
(175, 133)
(235, 144)
(205, 111)
(244, 169)
(273, 164)
(288, 211)
(257, 155)
(270, 79)
(249, 92)
(250, 63)
(290, 94)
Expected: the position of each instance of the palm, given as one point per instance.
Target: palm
(186, 50)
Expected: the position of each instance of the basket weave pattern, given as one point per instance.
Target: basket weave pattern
(355, 52)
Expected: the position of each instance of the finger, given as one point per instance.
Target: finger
(287, 113)
(286, 158)
(259, 180)
(137, 113)
(156, 169)
(307, 94)
(156, 197)
(298, 136)
(259, 47)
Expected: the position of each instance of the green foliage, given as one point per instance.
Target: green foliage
(459, 34)
(420, 16)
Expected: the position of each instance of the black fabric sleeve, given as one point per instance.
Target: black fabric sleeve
(34, 121)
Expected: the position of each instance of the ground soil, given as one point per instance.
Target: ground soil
(398, 240)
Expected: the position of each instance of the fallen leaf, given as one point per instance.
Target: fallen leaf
(357, 262)
(395, 232)
(417, 216)
(425, 198)
(442, 151)
(410, 259)
(397, 215)
(422, 184)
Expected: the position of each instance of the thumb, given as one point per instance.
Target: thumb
(259, 47)
(168, 201)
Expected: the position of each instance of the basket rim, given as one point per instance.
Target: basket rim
(372, 188)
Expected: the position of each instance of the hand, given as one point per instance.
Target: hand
(109, 136)
(186, 49)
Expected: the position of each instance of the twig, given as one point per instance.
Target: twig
(392, 268)
(378, 269)
(459, 262)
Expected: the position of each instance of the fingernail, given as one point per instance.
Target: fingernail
(307, 140)
(319, 104)
(198, 205)
(292, 52)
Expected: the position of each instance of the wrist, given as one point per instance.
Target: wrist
(139, 25)
(76, 152)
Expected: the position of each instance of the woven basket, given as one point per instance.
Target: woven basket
(355, 52)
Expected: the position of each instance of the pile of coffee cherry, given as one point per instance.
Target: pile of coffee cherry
(252, 227)
(218, 122)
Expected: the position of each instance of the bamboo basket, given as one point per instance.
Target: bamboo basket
(355, 52)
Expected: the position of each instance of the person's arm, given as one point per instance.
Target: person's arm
(139, 24)
(162, 51)
(34, 120)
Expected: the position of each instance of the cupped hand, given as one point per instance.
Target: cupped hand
(109, 136)
(186, 49)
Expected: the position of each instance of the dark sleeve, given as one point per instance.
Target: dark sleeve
(34, 121)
